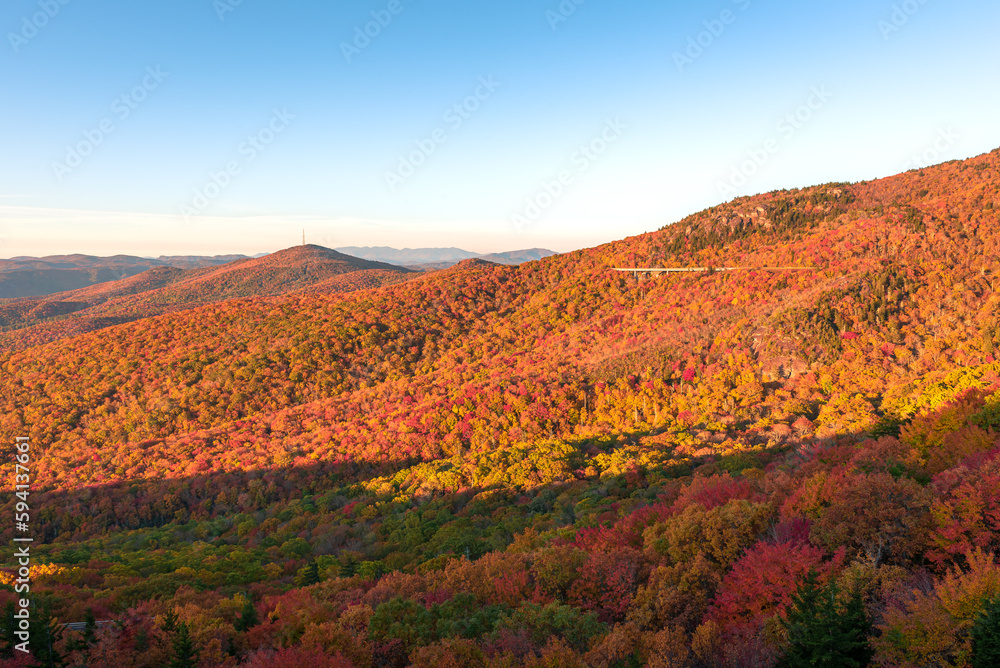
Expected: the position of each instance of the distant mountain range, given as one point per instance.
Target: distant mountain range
(165, 289)
(49, 298)
(440, 258)
(40, 276)
(37, 276)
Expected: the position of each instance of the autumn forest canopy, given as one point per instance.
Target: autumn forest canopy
(313, 460)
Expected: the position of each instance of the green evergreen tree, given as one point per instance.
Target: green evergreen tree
(823, 632)
(89, 637)
(90, 628)
(308, 575)
(986, 636)
(348, 566)
(8, 625)
(248, 619)
(169, 623)
(185, 653)
(46, 631)
(141, 640)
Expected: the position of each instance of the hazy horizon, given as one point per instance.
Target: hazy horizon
(342, 249)
(227, 127)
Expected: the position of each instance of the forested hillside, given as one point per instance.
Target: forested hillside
(551, 464)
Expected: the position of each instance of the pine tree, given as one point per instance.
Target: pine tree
(248, 619)
(141, 640)
(169, 623)
(89, 637)
(822, 632)
(8, 625)
(90, 628)
(185, 653)
(348, 566)
(46, 631)
(986, 636)
(309, 575)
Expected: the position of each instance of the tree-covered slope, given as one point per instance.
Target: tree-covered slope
(551, 464)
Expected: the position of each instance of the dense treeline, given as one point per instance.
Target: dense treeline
(551, 464)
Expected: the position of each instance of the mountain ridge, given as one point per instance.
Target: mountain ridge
(441, 258)
(26, 276)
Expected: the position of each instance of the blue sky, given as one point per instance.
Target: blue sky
(220, 126)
